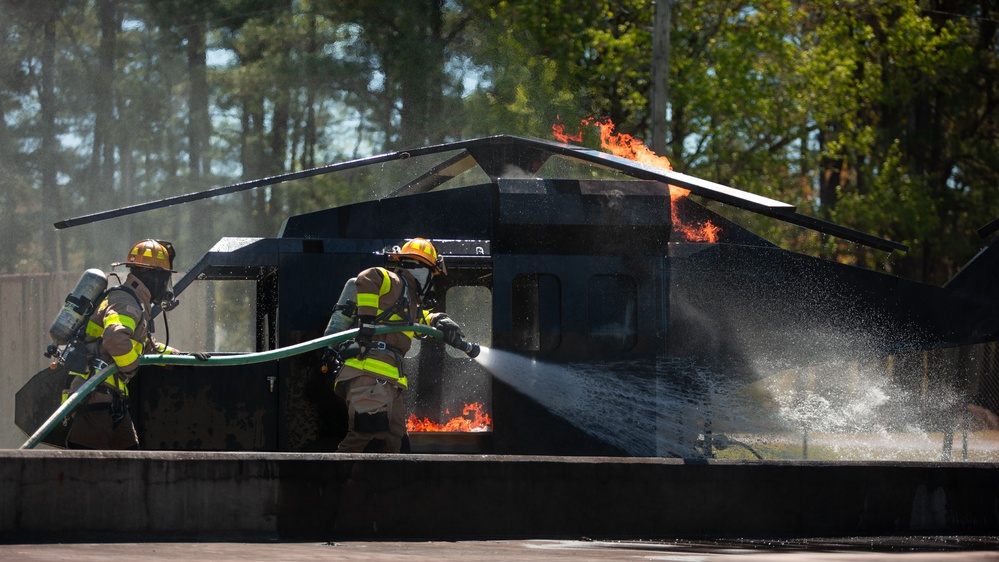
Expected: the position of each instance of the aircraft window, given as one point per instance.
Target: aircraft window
(537, 311)
(414, 348)
(612, 301)
(232, 306)
(472, 307)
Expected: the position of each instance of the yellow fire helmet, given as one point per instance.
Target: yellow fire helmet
(422, 251)
(153, 254)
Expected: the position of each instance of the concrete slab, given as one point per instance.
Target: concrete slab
(919, 549)
(155, 496)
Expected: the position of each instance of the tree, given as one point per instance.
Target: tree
(901, 125)
(880, 116)
(601, 49)
(49, 150)
(413, 51)
(17, 201)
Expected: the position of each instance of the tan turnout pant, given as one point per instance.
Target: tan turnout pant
(376, 416)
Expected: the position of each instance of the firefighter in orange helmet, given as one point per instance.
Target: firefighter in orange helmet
(372, 380)
(119, 331)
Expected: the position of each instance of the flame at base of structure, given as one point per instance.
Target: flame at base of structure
(473, 418)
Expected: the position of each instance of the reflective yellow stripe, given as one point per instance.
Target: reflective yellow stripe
(130, 357)
(118, 319)
(113, 380)
(367, 299)
(94, 329)
(126, 359)
(386, 283)
(372, 300)
(378, 367)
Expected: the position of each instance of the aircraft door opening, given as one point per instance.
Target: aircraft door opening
(450, 395)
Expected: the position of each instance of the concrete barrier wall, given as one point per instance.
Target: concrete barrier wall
(28, 304)
(57, 496)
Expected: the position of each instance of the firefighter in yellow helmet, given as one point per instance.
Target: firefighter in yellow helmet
(119, 331)
(372, 380)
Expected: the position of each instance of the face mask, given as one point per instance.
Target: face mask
(167, 300)
(422, 275)
(159, 283)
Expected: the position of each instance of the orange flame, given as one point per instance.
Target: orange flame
(618, 144)
(480, 421)
(627, 146)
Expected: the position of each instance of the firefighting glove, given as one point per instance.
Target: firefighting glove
(200, 355)
(453, 335)
(334, 356)
(329, 355)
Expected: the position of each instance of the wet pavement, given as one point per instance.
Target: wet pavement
(842, 549)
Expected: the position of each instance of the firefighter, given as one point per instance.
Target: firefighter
(371, 380)
(119, 331)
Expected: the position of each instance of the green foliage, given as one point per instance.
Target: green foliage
(889, 112)
(880, 116)
(897, 201)
(524, 95)
(598, 48)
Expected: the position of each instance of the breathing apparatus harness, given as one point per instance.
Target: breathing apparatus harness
(334, 359)
(78, 357)
(73, 346)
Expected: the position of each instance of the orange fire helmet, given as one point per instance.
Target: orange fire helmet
(153, 254)
(422, 251)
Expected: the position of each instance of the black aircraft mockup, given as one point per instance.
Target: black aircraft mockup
(560, 256)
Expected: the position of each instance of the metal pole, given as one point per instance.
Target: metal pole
(662, 23)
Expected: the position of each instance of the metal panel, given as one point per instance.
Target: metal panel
(206, 408)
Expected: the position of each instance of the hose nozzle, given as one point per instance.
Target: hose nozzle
(468, 348)
(472, 349)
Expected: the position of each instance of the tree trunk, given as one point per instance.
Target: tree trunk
(102, 176)
(51, 202)
(198, 127)
(830, 178)
(103, 160)
(308, 156)
(278, 149)
(417, 59)
(253, 157)
(199, 124)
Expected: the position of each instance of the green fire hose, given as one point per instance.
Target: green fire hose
(242, 359)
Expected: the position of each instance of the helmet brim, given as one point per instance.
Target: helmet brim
(436, 268)
(142, 265)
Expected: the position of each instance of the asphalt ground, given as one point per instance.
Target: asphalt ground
(863, 549)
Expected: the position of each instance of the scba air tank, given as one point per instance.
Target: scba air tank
(79, 304)
(345, 309)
